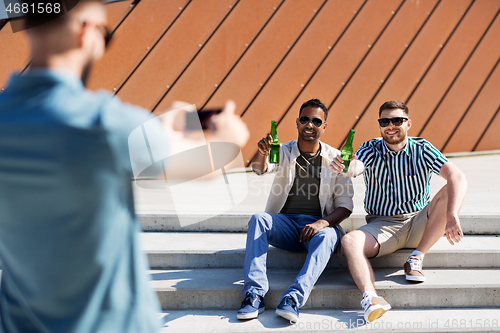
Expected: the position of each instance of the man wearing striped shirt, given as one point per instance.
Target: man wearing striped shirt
(400, 214)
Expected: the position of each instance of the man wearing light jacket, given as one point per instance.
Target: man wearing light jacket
(304, 209)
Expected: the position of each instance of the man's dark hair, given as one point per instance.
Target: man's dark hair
(391, 105)
(314, 103)
(33, 18)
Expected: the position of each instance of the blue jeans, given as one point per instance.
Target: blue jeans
(282, 231)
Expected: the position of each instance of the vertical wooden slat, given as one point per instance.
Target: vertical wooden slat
(420, 55)
(15, 56)
(375, 69)
(449, 63)
(491, 138)
(132, 40)
(117, 11)
(464, 89)
(224, 49)
(14, 52)
(174, 52)
(478, 116)
(304, 57)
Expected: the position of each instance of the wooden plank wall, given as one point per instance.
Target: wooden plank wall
(441, 57)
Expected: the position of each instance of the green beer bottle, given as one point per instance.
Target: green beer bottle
(274, 153)
(346, 152)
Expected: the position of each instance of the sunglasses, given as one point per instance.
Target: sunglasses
(305, 120)
(398, 121)
(106, 33)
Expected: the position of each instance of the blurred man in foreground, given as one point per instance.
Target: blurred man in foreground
(68, 229)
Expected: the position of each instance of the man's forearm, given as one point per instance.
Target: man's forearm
(337, 216)
(259, 165)
(457, 186)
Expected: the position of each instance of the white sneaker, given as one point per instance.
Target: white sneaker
(374, 307)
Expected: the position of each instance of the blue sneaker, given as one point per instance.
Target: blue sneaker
(288, 309)
(251, 306)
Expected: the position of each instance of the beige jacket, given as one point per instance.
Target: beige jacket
(336, 190)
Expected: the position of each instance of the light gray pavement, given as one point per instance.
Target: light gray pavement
(192, 279)
(400, 320)
(196, 197)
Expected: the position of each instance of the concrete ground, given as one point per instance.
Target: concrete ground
(466, 294)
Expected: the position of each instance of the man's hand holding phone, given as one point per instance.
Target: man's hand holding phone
(181, 124)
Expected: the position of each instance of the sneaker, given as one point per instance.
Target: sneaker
(288, 309)
(374, 307)
(251, 306)
(413, 269)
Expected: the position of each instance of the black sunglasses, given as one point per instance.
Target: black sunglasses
(305, 120)
(398, 121)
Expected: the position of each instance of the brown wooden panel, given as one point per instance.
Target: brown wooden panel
(226, 47)
(413, 65)
(174, 51)
(337, 68)
(375, 69)
(131, 41)
(14, 53)
(247, 78)
(491, 139)
(449, 62)
(478, 116)
(117, 11)
(465, 88)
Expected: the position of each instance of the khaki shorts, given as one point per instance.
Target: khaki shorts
(398, 231)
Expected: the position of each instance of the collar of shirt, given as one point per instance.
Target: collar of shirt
(43, 76)
(296, 151)
(384, 150)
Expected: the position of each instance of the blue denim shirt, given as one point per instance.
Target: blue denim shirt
(68, 231)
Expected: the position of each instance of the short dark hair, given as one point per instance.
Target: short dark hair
(314, 103)
(391, 105)
(34, 19)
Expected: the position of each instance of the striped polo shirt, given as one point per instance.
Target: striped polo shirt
(398, 183)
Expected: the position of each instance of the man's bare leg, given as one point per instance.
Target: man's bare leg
(358, 246)
(434, 229)
(436, 222)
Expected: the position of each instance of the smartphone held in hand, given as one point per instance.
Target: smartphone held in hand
(200, 120)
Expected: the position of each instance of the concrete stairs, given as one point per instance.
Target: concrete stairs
(197, 274)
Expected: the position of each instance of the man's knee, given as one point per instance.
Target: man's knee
(325, 238)
(353, 241)
(328, 233)
(439, 200)
(360, 242)
(260, 220)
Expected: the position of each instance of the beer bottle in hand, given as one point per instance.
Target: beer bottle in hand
(274, 152)
(346, 152)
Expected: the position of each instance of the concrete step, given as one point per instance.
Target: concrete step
(226, 250)
(220, 288)
(320, 320)
(471, 224)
